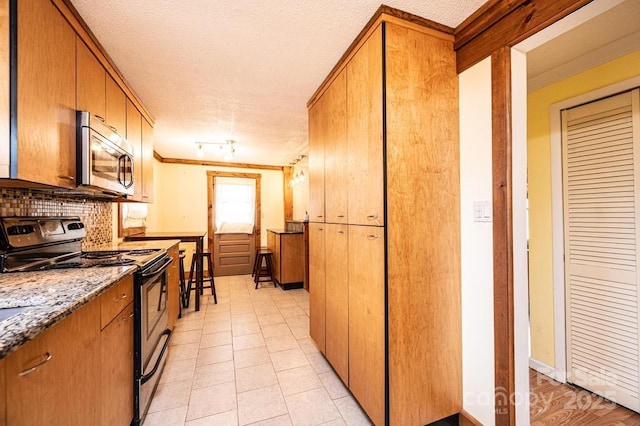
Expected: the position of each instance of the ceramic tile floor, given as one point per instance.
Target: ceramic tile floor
(249, 360)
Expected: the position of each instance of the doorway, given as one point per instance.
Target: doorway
(233, 221)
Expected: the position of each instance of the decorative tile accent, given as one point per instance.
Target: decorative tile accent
(95, 214)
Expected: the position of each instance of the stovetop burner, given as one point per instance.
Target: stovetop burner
(101, 254)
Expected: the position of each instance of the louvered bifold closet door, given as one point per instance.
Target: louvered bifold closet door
(601, 187)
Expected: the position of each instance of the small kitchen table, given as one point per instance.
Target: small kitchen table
(185, 237)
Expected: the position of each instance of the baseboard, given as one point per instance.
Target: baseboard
(547, 370)
(466, 419)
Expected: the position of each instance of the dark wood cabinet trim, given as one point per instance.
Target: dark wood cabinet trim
(506, 23)
(502, 236)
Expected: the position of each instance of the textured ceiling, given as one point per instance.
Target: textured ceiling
(242, 69)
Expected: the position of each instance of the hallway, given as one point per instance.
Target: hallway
(249, 360)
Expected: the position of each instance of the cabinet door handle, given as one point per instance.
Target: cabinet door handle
(372, 237)
(340, 232)
(320, 229)
(99, 118)
(340, 215)
(127, 317)
(71, 178)
(113, 128)
(145, 196)
(372, 216)
(121, 297)
(47, 358)
(320, 216)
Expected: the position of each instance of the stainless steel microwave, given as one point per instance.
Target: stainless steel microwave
(104, 158)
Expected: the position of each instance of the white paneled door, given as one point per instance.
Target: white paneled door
(601, 178)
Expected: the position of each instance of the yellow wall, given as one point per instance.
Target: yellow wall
(180, 198)
(539, 164)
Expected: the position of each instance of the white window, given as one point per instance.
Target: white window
(235, 205)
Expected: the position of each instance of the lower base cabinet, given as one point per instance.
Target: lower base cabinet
(317, 286)
(366, 319)
(55, 378)
(74, 373)
(116, 369)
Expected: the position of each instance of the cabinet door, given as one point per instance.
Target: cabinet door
(317, 234)
(147, 161)
(173, 286)
(134, 136)
(65, 390)
(46, 96)
(365, 152)
(335, 151)
(337, 299)
(117, 369)
(316, 161)
(90, 83)
(366, 319)
(116, 107)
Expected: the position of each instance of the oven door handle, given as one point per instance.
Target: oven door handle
(146, 377)
(159, 270)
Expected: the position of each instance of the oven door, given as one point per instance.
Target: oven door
(152, 334)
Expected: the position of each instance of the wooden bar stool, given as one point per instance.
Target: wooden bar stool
(193, 276)
(267, 271)
(255, 261)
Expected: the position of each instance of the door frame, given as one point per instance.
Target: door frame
(211, 175)
(559, 371)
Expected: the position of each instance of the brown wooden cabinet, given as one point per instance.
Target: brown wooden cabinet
(335, 151)
(79, 371)
(366, 318)
(316, 161)
(90, 83)
(46, 97)
(54, 379)
(115, 107)
(288, 257)
(365, 184)
(116, 369)
(396, 283)
(317, 284)
(337, 299)
(173, 286)
(134, 137)
(147, 162)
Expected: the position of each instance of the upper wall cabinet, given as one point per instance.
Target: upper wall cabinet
(49, 68)
(116, 107)
(316, 161)
(43, 117)
(91, 81)
(134, 137)
(147, 162)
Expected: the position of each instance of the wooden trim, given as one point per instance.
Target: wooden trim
(211, 200)
(84, 32)
(287, 175)
(383, 14)
(502, 237)
(466, 419)
(505, 23)
(214, 163)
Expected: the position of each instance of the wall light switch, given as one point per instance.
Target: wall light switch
(482, 211)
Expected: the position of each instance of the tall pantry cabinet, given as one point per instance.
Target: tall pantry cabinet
(385, 232)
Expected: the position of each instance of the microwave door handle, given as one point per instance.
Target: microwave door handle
(119, 170)
(130, 182)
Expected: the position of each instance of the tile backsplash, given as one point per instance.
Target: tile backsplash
(95, 214)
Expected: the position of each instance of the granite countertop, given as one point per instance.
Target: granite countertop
(49, 296)
(284, 231)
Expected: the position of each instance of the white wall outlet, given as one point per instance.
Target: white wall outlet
(482, 211)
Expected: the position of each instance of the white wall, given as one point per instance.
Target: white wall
(520, 257)
(180, 198)
(477, 244)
